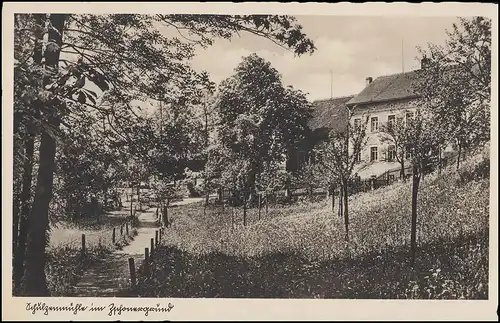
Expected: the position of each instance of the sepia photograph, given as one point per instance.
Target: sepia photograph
(249, 156)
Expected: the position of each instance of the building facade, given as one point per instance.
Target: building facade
(384, 99)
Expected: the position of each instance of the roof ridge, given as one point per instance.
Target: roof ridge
(336, 97)
(397, 74)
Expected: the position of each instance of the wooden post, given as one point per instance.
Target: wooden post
(267, 198)
(232, 217)
(260, 195)
(121, 230)
(83, 244)
(222, 197)
(156, 238)
(131, 267)
(152, 246)
(166, 214)
(114, 235)
(146, 261)
(126, 228)
(244, 209)
(132, 202)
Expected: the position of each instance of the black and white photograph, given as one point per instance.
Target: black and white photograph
(249, 155)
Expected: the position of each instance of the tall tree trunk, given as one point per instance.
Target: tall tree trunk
(24, 211)
(402, 174)
(414, 195)
(333, 198)
(21, 222)
(346, 210)
(38, 224)
(131, 201)
(341, 199)
(35, 280)
(439, 160)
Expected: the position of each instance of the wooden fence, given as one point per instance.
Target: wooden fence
(150, 251)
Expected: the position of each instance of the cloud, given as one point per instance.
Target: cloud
(352, 48)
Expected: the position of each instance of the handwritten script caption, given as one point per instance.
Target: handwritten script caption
(111, 309)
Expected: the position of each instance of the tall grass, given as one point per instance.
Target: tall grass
(66, 263)
(299, 251)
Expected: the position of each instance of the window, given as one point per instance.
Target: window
(374, 124)
(358, 157)
(409, 116)
(408, 153)
(373, 153)
(318, 154)
(391, 119)
(301, 158)
(391, 153)
(357, 123)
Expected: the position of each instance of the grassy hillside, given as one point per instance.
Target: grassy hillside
(300, 251)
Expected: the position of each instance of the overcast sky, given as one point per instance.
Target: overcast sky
(352, 47)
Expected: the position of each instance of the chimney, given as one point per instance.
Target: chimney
(369, 79)
(424, 62)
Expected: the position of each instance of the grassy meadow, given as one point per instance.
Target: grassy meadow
(299, 251)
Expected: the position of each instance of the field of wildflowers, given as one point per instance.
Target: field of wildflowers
(300, 251)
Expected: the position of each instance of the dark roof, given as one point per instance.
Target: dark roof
(330, 113)
(387, 88)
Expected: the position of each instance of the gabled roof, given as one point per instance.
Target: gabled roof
(387, 88)
(330, 113)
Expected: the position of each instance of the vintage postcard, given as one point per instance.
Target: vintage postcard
(247, 161)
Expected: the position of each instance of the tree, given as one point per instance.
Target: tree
(340, 159)
(395, 134)
(421, 141)
(124, 57)
(456, 84)
(260, 119)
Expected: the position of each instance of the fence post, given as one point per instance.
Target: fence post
(114, 234)
(152, 246)
(156, 238)
(267, 199)
(244, 209)
(222, 197)
(131, 267)
(260, 195)
(146, 261)
(83, 244)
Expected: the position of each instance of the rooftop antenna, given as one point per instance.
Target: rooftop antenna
(402, 57)
(331, 85)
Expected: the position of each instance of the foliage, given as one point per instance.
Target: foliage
(456, 83)
(260, 120)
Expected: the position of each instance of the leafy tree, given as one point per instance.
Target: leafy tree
(121, 57)
(422, 142)
(395, 134)
(339, 159)
(260, 119)
(455, 83)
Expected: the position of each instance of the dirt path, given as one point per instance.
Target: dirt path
(111, 276)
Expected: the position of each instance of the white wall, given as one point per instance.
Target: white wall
(382, 111)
